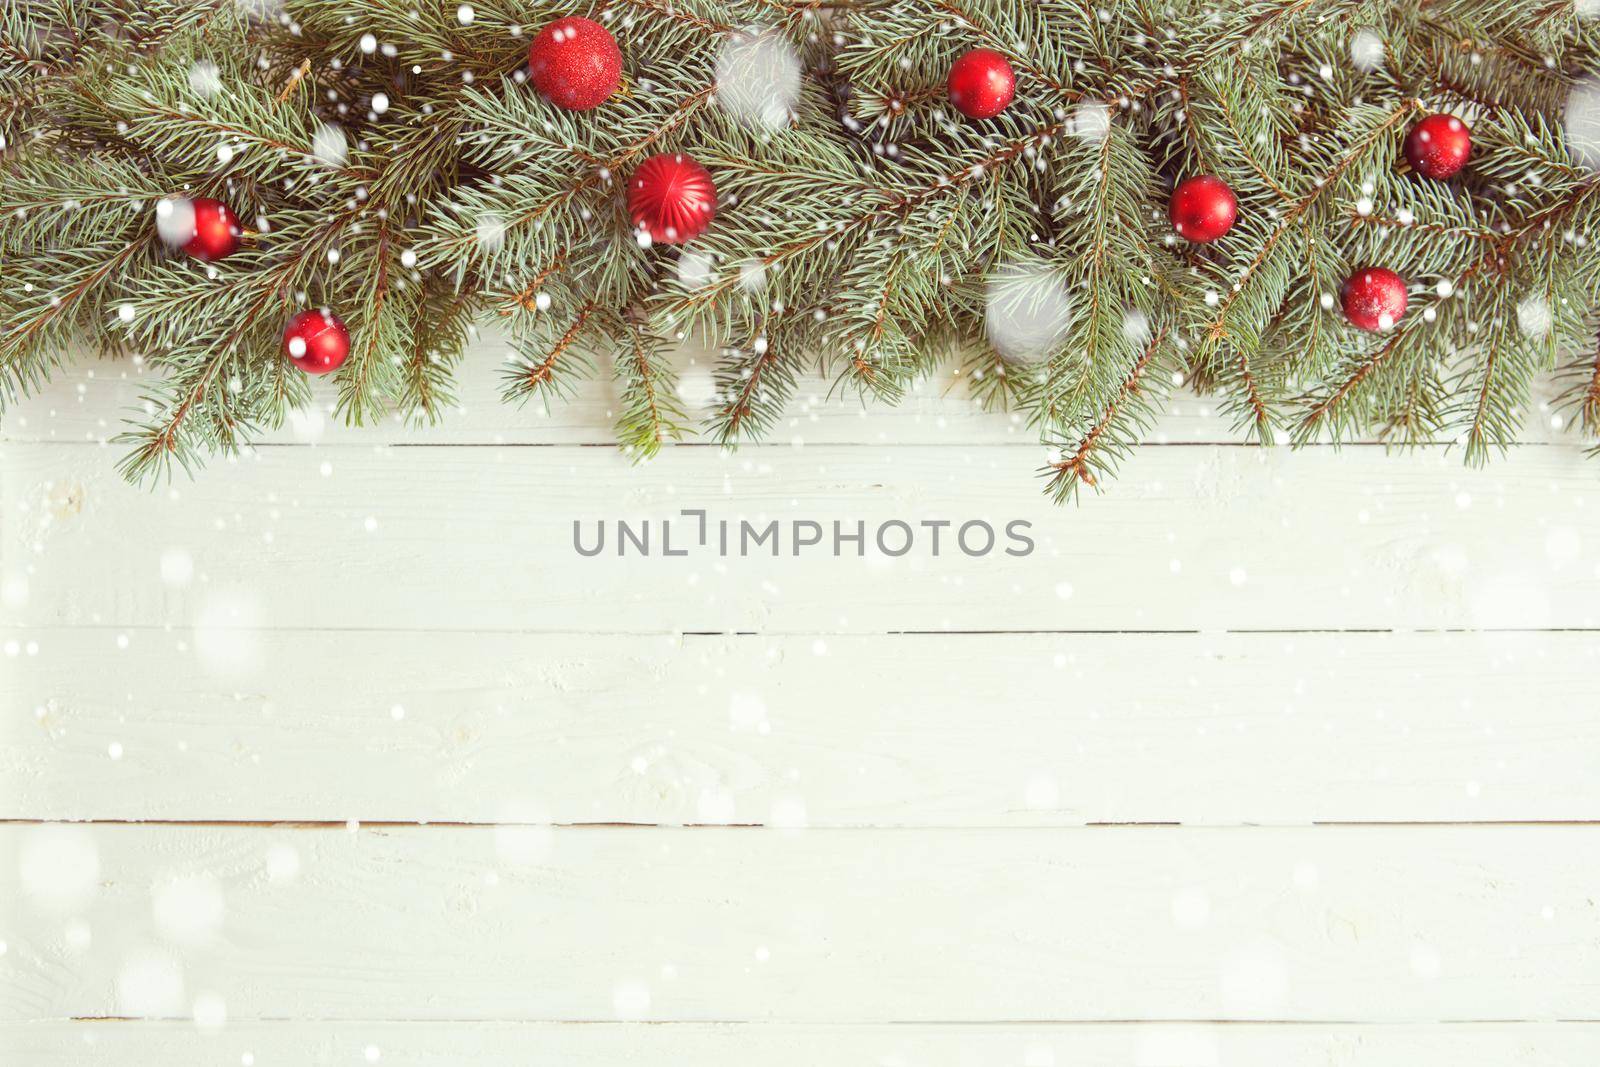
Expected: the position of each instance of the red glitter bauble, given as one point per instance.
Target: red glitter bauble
(575, 63)
(981, 84)
(1374, 298)
(216, 230)
(671, 198)
(1202, 209)
(316, 341)
(1438, 146)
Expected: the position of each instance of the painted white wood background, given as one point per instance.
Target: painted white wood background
(340, 755)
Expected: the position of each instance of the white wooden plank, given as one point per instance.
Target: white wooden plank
(1321, 924)
(999, 730)
(88, 400)
(1200, 537)
(162, 1044)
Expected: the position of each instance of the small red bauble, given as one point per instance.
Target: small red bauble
(1202, 209)
(981, 84)
(1374, 298)
(1438, 146)
(216, 230)
(575, 63)
(316, 341)
(671, 198)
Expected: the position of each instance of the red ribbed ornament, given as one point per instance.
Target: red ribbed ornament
(671, 198)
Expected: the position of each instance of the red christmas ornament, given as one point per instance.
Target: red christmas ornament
(316, 341)
(981, 84)
(216, 230)
(575, 63)
(1374, 298)
(1203, 208)
(1438, 146)
(671, 198)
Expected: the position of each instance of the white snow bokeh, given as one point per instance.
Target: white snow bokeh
(188, 909)
(59, 867)
(1136, 327)
(716, 806)
(283, 864)
(226, 633)
(697, 386)
(491, 230)
(753, 276)
(329, 145)
(747, 712)
(1177, 1046)
(1534, 318)
(1255, 981)
(175, 221)
(260, 9)
(1366, 49)
(758, 78)
(177, 567)
(631, 1001)
(210, 1013)
(693, 268)
(1091, 121)
(1587, 9)
(1027, 310)
(1583, 122)
(523, 834)
(204, 78)
(150, 985)
(1191, 908)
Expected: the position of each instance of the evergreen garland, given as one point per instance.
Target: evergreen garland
(393, 164)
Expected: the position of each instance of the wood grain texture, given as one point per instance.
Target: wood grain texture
(389, 625)
(1194, 538)
(896, 730)
(323, 1044)
(1322, 924)
(88, 400)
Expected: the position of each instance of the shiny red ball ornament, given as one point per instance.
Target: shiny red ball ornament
(316, 341)
(1438, 146)
(671, 198)
(1374, 298)
(575, 63)
(981, 84)
(216, 230)
(1202, 209)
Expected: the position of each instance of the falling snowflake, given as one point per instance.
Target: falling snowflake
(693, 269)
(758, 77)
(753, 276)
(328, 144)
(1366, 49)
(1583, 122)
(1092, 121)
(1534, 317)
(59, 866)
(150, 985)
(175, 221)
(491, 230)
(1027, 310)
(204, 78)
